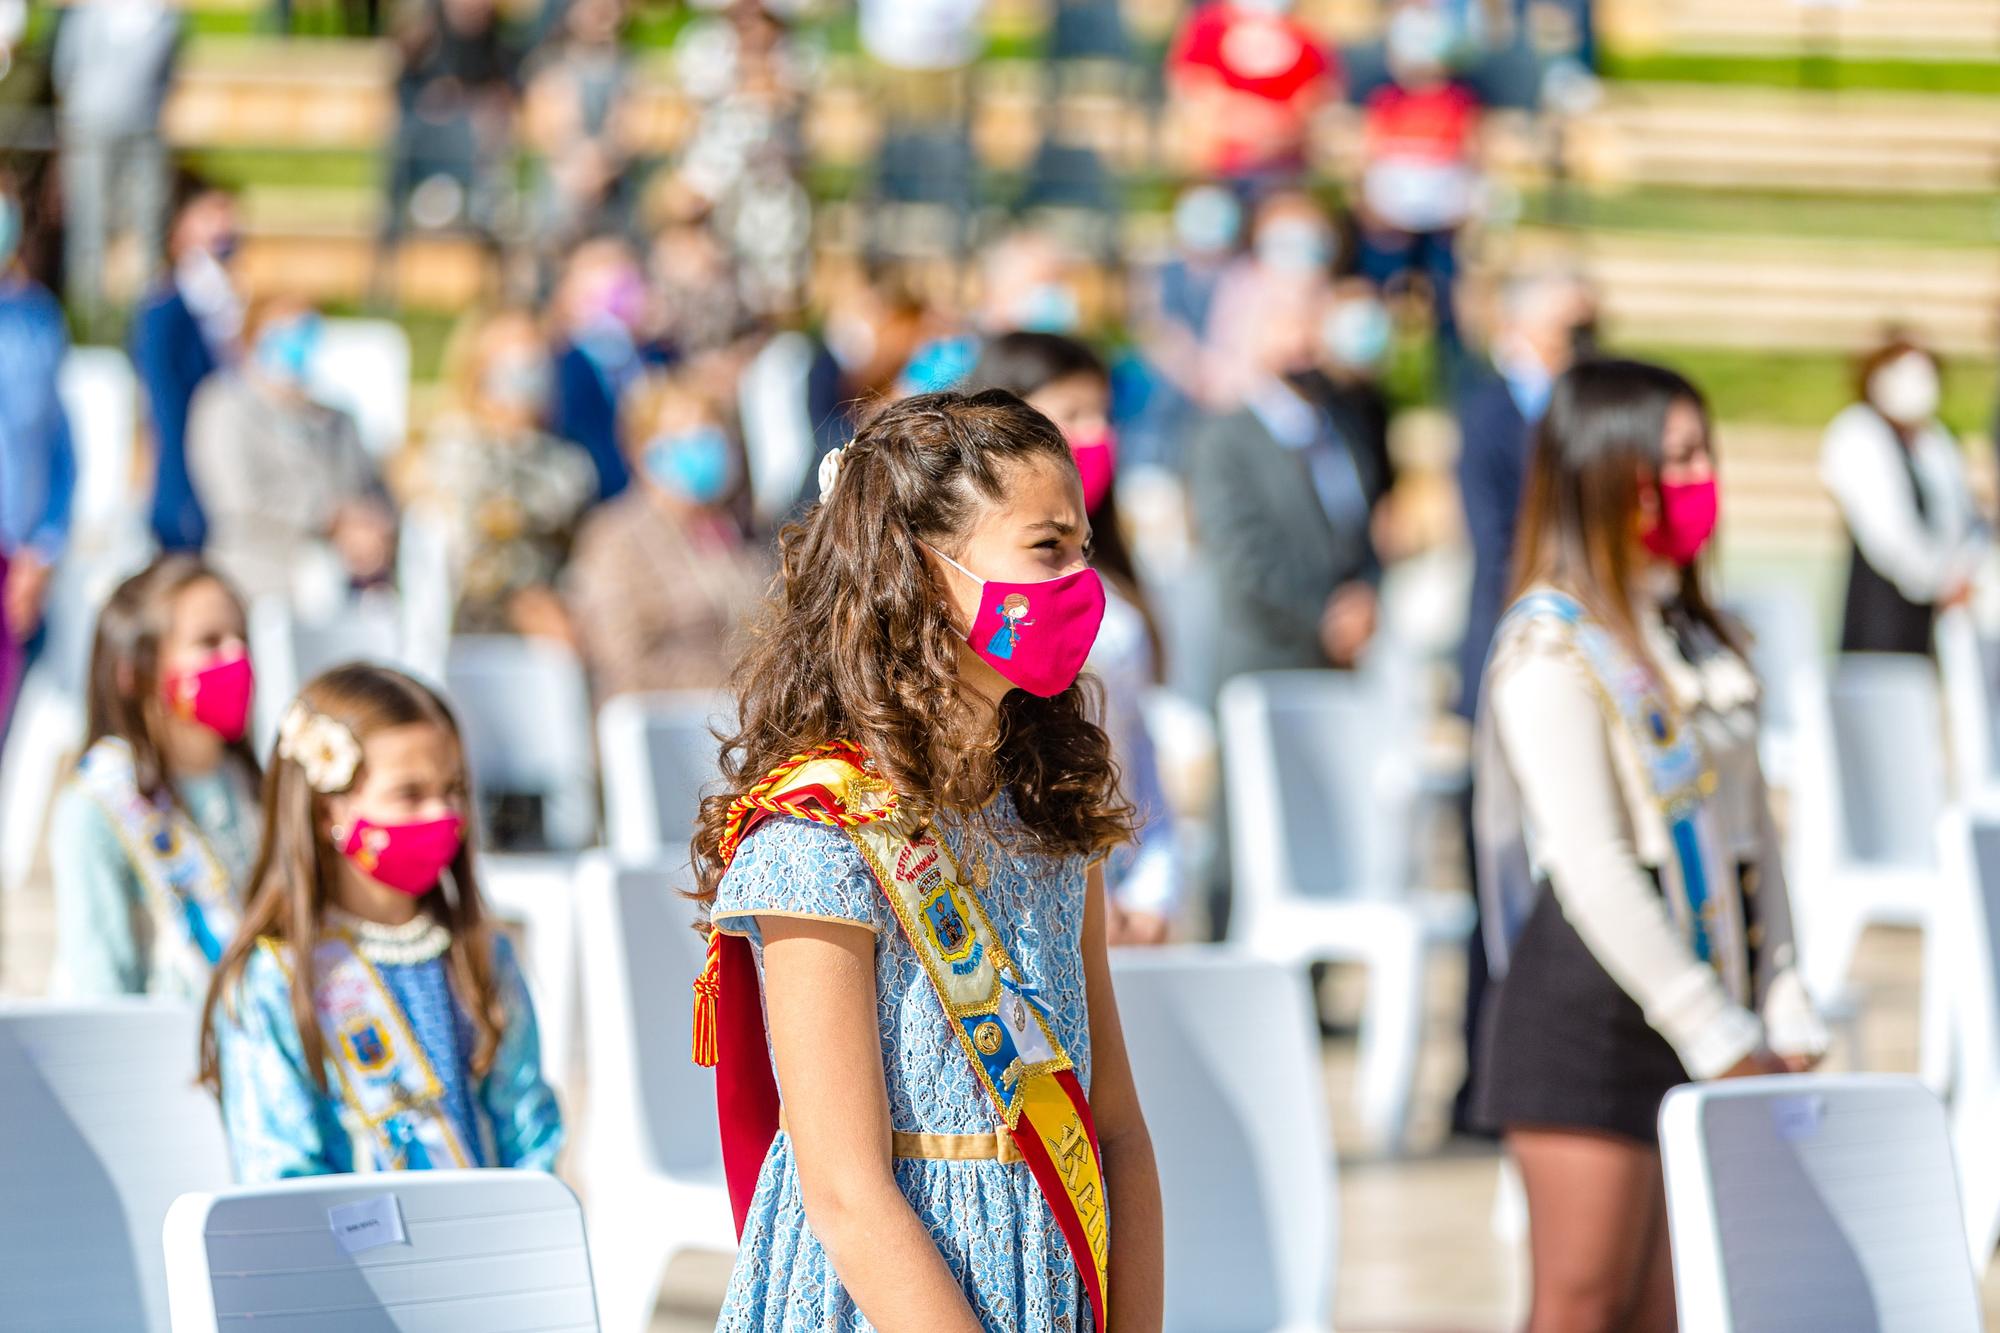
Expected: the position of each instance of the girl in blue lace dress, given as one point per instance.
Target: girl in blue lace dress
(895, 1193)
(366, 1017)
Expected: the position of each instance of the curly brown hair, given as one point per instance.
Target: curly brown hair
(856, 643)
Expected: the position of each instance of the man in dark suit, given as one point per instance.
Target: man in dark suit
(1544, 322)
(182, 331)
(1282, 499)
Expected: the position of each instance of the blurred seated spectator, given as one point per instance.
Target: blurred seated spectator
(455, 96)
(508, 493)
(1915, 539)
(1172, 305)
(1282, 504)
(37, 462)
(113, 61)
(1247, 76)
(692, 279)
(1293, 246)
(294, 504)
(1419, 172)
(1027, 283)
(662, 575)
(1356, 335)
(185, 328)
(576, 119)
(601, 314)
(1544, 324)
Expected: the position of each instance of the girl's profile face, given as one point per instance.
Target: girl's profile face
(1684, 455)
(409, 774)
(1037, 531)
(204, 624)
(1078, 404)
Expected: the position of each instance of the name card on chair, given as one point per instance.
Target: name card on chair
(367, 1224)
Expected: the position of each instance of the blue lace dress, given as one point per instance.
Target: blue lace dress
(988, 1219)
(281, 1124)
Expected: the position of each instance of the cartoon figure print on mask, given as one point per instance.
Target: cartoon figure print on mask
(1072, 609)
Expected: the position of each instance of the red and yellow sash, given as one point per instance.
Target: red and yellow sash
(1013, 1048)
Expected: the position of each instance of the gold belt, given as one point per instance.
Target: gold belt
(997, 1146)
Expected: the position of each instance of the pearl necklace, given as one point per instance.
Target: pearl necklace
(417, 940)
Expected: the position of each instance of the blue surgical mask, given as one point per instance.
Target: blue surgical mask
(1207, 219)
(694, 464)
(1048, 307)
(285, 350)
(1294, 245)
(1357, 334)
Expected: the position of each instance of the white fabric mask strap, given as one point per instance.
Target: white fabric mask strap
(953, 563)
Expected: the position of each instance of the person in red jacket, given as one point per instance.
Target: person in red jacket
(1247, 77)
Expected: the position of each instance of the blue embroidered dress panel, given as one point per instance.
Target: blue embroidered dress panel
(280, 1124)
(988, 1219)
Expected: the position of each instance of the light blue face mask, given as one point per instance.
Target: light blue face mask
(285, 351)
(1048, 307)
(1357, 334)
(694, 464)
(10, 229)
(1207, 219)
(1294, 245)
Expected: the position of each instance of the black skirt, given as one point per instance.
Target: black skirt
(1564, 1047)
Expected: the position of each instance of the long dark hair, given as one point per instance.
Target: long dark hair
(855, 643)
(1026, 363)
(297, 864)
(1599, 446)
(123, 698)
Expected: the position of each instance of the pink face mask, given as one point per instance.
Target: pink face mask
(1037, 635)
(217, 695)
(409, 858)
(1687, 519)
(1096, 455)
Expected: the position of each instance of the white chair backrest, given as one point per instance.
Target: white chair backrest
(1968, 926)
(1785, 649)
(658, 753)
(363, 367)
(496, 1250)
(525, 711)
(1889, 739)
(1319, 786)
(778, 440)
(1225, 1054)
(641, 955)
(100, 394)
(101, 1127)
(1814, 1201)
(289, 651)
(1968, 701)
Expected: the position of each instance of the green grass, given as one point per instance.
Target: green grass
(289, 168)
(1951, 220)
(1766, 71)
(1807, 388)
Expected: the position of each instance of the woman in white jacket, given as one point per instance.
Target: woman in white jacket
(1899, 479)
(1636, 907)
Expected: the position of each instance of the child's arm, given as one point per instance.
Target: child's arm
(1138, 1263)
(97, 892)
(527, 1122)
(819, 984)
(270, 1103)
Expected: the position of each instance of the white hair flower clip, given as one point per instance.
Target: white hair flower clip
(829, 472)
(320, 745)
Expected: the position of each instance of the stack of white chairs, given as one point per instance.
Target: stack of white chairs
(1322, 786)
(413, 1252)
(653, 1166)
(1815, 1202)
(101, 1126)
(1968, 926)
(658, 754)
(1967, 668)
(1225, 1057)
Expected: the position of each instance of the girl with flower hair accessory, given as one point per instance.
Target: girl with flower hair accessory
(154, 832)
(367, 1017)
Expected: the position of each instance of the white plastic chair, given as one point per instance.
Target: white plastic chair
(362, 366)
(496, 1251)
(100, 394)
(1225, 1055)
(101, 1126)
(1787, 654)
(525, 711)
(1868, 787)
(537, 892)
(658, 753)
(1809, 1201)
(1321, 783)
(653, 1153)
(1968, 702)
(1968, 928)
(289, 651)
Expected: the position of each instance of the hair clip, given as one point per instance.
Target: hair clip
(829, 472)
(320, 745)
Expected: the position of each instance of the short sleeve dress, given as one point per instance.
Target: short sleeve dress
(988, 1218)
